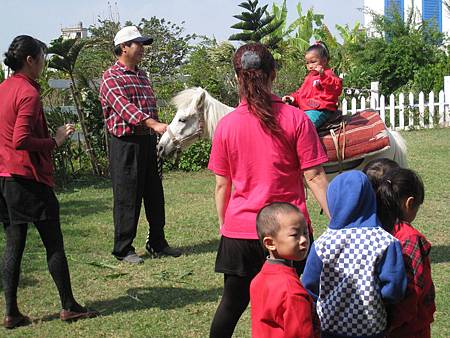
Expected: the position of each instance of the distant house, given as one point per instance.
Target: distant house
(433, 11)
(74, 32)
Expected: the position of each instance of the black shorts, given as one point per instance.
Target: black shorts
(240, 257)
(245, 257)
(26, 201)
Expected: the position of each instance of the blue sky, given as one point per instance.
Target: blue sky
(44, 19)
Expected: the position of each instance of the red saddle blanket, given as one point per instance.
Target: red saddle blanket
(354, 136)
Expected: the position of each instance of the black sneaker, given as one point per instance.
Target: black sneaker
(166, 251)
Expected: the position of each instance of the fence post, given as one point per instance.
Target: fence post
(411, 111)
(392, 111)
(421, 109)
(431, 109)
(401, 112)
(447, 99)
(374, 95)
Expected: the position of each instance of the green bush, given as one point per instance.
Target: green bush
(194, 158)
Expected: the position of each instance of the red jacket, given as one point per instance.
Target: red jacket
(25, 143)
(411, 318)
(280, 306)
(319, 92)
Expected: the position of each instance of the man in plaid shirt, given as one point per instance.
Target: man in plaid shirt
(129, 108)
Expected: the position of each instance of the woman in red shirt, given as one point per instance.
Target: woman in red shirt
(260, 153)
(26, 179)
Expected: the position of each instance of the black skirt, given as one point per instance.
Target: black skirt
(26, 201)
(240, 257)
(245, 257)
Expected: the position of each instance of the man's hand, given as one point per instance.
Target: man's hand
(160, 128)
(157, 126)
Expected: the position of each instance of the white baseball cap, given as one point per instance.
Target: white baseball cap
(131, 33)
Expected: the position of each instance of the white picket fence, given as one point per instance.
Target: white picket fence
(405, 112)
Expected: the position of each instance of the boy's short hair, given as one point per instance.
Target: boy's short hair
(267, 220)
(377, 168)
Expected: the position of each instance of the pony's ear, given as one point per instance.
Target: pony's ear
(201, 101)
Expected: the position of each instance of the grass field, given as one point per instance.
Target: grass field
(177, 297)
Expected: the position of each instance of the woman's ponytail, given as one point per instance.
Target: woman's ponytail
(255, 66)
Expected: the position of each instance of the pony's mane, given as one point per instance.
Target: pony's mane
(214, 109)
(184, 98)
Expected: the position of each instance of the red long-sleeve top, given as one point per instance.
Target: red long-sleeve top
(25, 142)
(280, 305)
(411, 318)
(319, 92)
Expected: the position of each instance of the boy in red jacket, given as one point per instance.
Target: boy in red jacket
(280, 306)
(319, 93)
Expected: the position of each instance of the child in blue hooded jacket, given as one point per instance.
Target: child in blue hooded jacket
(355, 265)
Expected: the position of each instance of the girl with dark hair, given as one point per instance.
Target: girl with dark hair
(26, 179)
(377, 168)
(320, 91)
(260, 153)
(399, 197)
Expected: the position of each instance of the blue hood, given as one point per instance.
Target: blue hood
(352, 202)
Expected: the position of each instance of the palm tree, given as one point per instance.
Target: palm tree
(65, 53)
(256, 24)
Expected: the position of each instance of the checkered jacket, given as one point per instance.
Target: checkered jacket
(354, 268)
(127, 99)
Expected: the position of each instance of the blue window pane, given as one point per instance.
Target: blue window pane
(432, 12)
(393, 5)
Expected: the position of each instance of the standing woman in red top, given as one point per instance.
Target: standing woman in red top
(319, 93)
(260, 154)
(26, 179)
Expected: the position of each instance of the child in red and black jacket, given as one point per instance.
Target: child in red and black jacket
(319, 93)
(280, 305)
(399, 196)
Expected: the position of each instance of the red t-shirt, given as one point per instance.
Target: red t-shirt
(263, 168)
(411, 318)
(319, 92)
(280, 305)
(25, 143)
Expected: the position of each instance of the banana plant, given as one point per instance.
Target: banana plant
(307, 26)
(351, 35)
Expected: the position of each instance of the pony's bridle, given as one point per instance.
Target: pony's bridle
(196, 135)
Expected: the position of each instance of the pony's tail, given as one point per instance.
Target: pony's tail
(400, 150)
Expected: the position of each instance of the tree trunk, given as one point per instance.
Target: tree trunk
(87, 139)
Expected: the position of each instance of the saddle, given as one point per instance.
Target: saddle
(351, 137)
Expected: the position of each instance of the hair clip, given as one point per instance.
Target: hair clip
(389, 181)
(250, 60)
(318, 42)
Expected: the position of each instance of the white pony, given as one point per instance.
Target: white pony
(196, 107)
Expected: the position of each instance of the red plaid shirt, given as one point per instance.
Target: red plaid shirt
(127, 99)
(412, 316)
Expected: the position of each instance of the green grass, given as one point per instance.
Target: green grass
(177, 297)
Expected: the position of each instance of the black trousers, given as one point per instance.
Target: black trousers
(134, 172)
